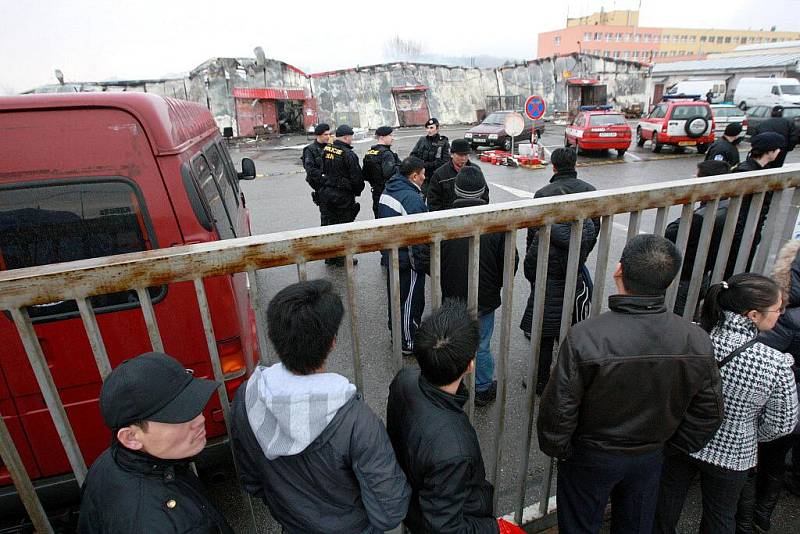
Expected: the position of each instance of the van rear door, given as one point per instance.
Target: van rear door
(79, 184)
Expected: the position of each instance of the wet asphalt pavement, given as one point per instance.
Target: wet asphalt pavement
(279, 200)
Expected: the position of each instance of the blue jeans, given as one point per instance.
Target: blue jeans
(484, 364)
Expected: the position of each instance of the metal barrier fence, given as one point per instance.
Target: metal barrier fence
(80, 280)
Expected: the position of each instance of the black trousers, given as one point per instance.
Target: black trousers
(333, 215)
(376, 197)
(720, 490)
(589, 477)
(412, 303)
(546, 346)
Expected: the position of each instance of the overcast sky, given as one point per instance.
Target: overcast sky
(93, 40)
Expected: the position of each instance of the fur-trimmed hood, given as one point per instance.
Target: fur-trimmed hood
(786, 271)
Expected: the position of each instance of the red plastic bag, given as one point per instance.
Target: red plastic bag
(508, 528)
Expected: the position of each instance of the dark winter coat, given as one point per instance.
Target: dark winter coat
(433, 150)
(441, 192)
(346, 481)
(781, 126)
(785, 335)
(342, 176)
(630, 381)
(695, 230)
(312, 163)
(380, 164)
(723, 150)
(562, 183)
(401, 197)
(747, 165)
(455, 266)
(131, 492)
(438, 449)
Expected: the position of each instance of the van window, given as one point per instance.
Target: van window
(791, 113)
(49, 223)
(775, 90)
(233, 177)
(790, 89)
(758, 111)
(221, 176)
(659, 111)
(728, 112)
(214, 198)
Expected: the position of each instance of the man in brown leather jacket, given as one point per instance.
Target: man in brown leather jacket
(630, 385)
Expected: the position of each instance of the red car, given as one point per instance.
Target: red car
(678, 121)
(598, 128)
(86, 175)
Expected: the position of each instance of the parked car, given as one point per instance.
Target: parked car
(680, 122)
(86, 175)
(491, 132)
(598, 128)
(758, 114)
(767, 92)
(724, 114)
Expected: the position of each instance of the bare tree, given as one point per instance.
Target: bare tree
(398, 48)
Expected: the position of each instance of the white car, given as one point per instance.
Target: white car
(724, 114)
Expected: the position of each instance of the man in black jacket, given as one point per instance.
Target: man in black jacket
(306, 442)
(440, 193)
(629, 384)
(725, 148)
(470, 186)
(782, 126)
(380, 164)
(341, 184)
(312, 160)
(433, 148)
(435, 443)
(143, 483)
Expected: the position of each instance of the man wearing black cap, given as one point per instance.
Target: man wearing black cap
(783, 127)
(764, 149)
(433, 148)
(380, 164)
(724, 148)
(312, 157)
(342, 183)
(470, 187)
(143, 483)
(440, 194)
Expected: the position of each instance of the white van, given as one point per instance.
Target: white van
(700, 88)
(767, 92)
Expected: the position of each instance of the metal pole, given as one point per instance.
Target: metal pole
(355, 338)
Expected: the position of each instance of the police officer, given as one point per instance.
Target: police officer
(341, 184)
(433, 149)
(782, 126)
(724, 148)
(312, 159)
(380, 164)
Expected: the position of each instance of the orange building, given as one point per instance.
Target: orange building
(617, 34)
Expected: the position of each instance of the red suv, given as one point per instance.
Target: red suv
(86, 175)
(680, 121)
(598, 128)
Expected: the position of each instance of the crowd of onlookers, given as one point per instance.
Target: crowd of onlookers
(637, 404)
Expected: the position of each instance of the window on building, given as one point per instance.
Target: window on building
(702, 38)
(675, 38)
(655, 38)
(719, 39)
(619, 37)
(598, 36)
(626, 54)
(636, 53)
(558, 40)
(772, 40)
(727, 39)
(646, 38)
(627, 37)
(616, 54)
(587, 36)
(609, 36)
(636, 37)
(692, 38)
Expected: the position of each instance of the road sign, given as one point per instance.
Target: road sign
(514, 124)
(535, 107)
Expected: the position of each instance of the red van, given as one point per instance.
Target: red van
(85, 175)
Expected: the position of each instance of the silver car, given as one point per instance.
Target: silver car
(724, 114)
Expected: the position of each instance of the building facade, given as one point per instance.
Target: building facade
(617, 34)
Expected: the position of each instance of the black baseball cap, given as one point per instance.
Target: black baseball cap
(460, 146)
(321, 128)
(153, 387)
(383, 130)
(344, 130)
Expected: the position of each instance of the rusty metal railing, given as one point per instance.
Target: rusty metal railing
(80, 280)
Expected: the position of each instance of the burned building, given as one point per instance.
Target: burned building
(269, 96)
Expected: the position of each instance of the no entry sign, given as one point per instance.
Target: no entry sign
(535, 107)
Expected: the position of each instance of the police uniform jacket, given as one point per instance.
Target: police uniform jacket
(433, 150)
(312, 163)
(723, 150)
(380, 164)
(342, 176)
(131, 492)
(781, 126)
(438, 449)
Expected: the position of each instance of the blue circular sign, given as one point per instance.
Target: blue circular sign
(535, 107)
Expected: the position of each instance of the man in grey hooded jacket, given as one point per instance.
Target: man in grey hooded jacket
(306, 442)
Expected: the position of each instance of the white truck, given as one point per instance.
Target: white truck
(717, 89)
(767, 92)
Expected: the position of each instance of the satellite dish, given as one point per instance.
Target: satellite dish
(261, 58)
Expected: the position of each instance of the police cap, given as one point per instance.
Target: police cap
(383, 130)
(432, 122)
(343, 130)
(321, 128)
